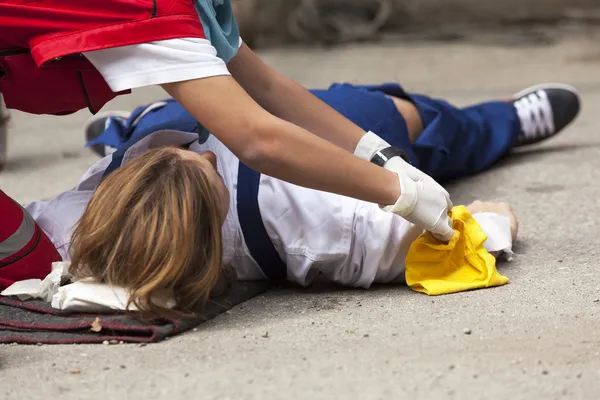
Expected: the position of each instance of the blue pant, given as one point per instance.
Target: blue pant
(454, 143)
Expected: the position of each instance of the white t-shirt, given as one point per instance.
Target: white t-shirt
(155, 63)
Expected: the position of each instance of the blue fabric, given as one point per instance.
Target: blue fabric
(255, 234)
(457, 142)
(220, 27)
(115, 131)
(454, 143)
(372, 111)
(122, 134)
(461, 142)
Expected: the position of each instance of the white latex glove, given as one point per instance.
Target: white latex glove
(422, 201)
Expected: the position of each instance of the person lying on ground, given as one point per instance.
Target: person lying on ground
(216, 223)
(218, 216)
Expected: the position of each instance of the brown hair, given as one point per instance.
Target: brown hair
(153, 227)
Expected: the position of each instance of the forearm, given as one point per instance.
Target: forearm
(279, 148)
(290, 101)
(296, 156)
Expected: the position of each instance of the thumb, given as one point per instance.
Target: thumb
(443, 230)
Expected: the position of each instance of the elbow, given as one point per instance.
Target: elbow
(264, 151)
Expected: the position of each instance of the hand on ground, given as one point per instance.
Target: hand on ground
(498, 208)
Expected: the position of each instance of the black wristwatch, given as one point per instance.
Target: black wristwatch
(382, 156)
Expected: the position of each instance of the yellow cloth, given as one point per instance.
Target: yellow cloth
(435, 268)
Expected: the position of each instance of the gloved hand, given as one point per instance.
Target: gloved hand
(422, 201)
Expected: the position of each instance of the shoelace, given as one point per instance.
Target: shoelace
(535, 113)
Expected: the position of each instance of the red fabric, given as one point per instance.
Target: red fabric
(10, 220)
(56, 91)
(41, 41)
(34, 259)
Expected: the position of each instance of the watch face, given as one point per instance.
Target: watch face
(378, 160)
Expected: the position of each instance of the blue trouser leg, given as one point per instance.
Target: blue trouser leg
(460, 142)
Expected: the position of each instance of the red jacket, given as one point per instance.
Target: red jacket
(42, 70)
(25, 250)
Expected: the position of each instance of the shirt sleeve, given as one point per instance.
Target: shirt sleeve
(156, 63)
(58, 216)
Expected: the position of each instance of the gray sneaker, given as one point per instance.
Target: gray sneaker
(96, 125)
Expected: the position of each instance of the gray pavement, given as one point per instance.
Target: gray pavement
(535, 338)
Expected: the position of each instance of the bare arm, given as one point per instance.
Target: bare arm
(279, 148)
(290, 101)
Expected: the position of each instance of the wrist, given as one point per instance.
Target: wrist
(369, 145)
(407, 198)
(394, 189)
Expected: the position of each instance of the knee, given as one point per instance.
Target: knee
(412, 117)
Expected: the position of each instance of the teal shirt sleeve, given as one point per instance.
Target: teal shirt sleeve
(220, 26)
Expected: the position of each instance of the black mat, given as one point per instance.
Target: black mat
(32, 322)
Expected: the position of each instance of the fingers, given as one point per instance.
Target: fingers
(447, 195)
(501, 208)
(443, 230)
(476, 207)
(489, 206)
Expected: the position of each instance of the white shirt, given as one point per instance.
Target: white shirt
(159, 62)
(347, 241)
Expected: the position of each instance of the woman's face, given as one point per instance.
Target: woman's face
(208, 162)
